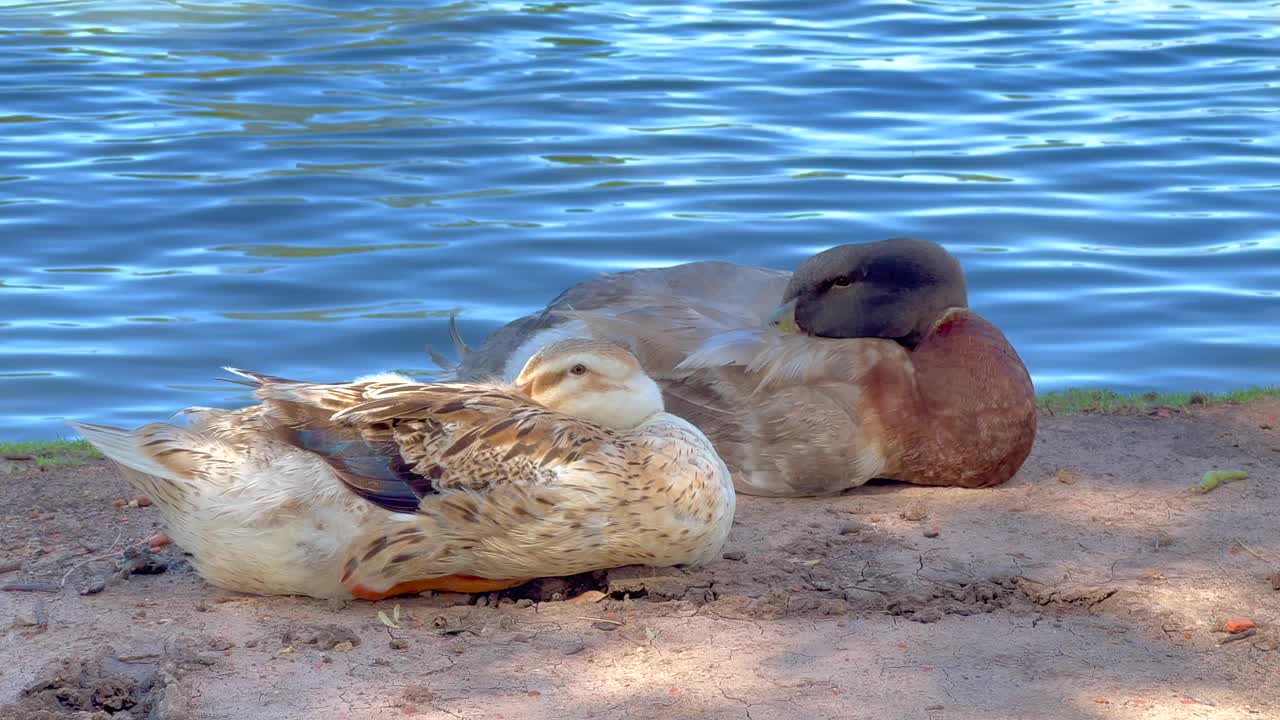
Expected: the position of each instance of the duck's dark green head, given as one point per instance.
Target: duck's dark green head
(894, 289)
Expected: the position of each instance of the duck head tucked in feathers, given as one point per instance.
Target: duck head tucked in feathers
(965, 414)
(894, 289)
(594, 380)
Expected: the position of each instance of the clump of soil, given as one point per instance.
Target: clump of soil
(103, 685)
(321, 637)
(100, 683)
(962, 599)
(1071, 595)
(111, 685)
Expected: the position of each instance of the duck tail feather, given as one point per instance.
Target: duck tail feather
(442, 362)
(459, 345)
(125, 447)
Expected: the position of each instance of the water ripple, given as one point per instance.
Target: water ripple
(313, 188)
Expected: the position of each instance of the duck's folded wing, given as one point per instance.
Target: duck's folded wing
(396, 444)
(643, 308)
(660, 333)
(772, 359)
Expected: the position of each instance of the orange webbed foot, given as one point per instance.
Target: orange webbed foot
(448, 583)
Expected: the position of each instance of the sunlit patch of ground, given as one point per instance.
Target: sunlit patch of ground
(1091, 586)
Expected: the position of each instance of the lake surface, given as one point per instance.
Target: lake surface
(312, 188)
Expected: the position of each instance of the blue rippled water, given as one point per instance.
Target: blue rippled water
(311, 188)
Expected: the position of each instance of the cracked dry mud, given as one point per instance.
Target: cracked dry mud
(1093, 585)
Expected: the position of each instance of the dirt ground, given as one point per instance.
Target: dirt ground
(1093, 585)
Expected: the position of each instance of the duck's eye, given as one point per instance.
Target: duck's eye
(842, 281)
(578, 369)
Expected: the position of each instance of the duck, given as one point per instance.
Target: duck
(384, 486)
(865, 362)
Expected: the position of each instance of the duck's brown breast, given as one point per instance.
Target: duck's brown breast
(974, 420)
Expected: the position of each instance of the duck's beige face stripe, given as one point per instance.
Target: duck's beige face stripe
(539, 383)
(556, 353)
(609, 386)
(546, 385)
(609, 365)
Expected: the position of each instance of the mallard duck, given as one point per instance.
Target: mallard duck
(865, 363)
(385, 486)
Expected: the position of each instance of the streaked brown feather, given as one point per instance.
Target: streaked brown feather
(427, 437)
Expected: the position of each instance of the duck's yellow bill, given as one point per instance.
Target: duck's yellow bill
(784, 319)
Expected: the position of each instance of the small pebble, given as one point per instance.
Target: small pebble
(605, 626)
(574, 647)
(398, 644)
(915, 512)
(141, 501)
(1238, 625)
(94, 587)
(158, 541)
(117, 504)
(524, 603)
(850, 529)
(1266, 644)
(344, 646)
(382, 662)
(734, 555)
(521, 637)
(251, 643)
(932, 533)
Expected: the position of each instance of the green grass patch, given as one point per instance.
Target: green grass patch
(1109, 401)
(51, 453)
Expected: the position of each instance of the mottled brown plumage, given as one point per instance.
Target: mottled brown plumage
(455, 486)
(864, 363)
